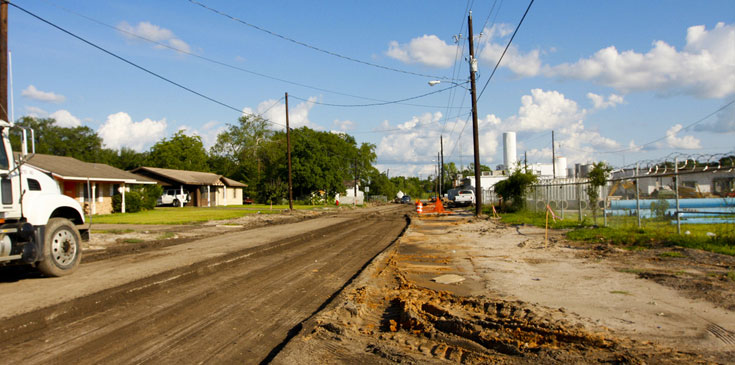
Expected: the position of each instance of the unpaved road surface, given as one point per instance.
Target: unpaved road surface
(464, 290)
(233, 298)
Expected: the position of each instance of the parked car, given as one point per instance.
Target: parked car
(175, 197)
(464, 197)
(406, 199)
(247, 200)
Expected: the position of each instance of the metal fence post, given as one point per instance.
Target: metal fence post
(637, 197)
(535, 197)
(562, 200)
(604, 208)
(579, 199)
(676, 190)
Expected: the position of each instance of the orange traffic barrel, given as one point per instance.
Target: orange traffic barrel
(419, 207)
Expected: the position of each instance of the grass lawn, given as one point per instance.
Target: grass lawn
(184, 215)
(624, 231)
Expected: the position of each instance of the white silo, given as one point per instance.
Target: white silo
(509, 150)
(561, 167)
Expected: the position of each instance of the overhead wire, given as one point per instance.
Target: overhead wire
(505, 50)
(220, 63)
(131, 63)
(377, 104)
(304, 44)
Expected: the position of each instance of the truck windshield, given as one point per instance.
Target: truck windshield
(3, 155)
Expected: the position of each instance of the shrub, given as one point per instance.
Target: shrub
(658, 208)
(133, 202)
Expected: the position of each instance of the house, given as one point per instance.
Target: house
(206, 189)
(92, 184)
(349, 196)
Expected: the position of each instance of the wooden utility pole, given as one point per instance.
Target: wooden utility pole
(525, 161)
(553, 155)
(354, 201)
(288, 147)
(4, 61)
(441, 173)
(475, 133)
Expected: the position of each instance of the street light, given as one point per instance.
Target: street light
(437, 82)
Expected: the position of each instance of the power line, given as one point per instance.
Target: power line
(505, 50)
(224, 64)
(331, 53)
(131, 63)
(376, 104)
(684, 128)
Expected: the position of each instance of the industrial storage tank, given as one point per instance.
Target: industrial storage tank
(509, 150)
(561, 167)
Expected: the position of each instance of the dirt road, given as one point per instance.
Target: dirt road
(233, 298)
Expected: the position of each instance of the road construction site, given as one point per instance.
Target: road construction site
(377, 285)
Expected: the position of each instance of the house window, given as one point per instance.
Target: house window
(33, 185)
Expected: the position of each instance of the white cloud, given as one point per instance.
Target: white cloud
(599, 102)
(275, 111)
(344, 125)
(411, 150)
(427, 50)
(36, 112)
(154, 33)
(685, 142)
(120, 131)
(704, 68)
(47, 96)
(207, 132)
(521, 64)
(725, 122)
(65, 119)
(545, 110)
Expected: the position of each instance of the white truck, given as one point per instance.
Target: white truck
(175, 197)
(39, 226)
(464, 197)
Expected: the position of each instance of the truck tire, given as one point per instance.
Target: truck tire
(62, 251)
(177, 203)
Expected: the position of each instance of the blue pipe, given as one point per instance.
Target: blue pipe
(683, 203)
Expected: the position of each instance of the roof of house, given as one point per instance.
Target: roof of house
(185, 177)
(69, 168)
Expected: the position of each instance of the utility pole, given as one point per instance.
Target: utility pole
(553, 155)
(475, 133)
(354, 201)
(441, 148)
(4, 61)
(525, 161)
(288, 146)
(438, 177)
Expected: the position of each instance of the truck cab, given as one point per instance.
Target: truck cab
(39, 226)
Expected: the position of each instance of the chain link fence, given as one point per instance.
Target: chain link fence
(672, 198)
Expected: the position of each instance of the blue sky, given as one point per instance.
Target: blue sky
(607, 77)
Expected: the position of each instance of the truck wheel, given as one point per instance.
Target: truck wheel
(177, 203)
(61, 250)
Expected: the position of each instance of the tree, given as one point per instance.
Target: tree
(597, 178)
(470, 170)
(381, 185)
(181, 152)
(515, 187)
(235, 154)
(79, 142)
(451, 173)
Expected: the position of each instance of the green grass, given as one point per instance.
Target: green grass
(632, 271)
(132, 240)
(671, 254)
(730, 275)
(166, 236)
(184, 215)
(280, 206)
(623, 292)
(624, 231)
(112, 231)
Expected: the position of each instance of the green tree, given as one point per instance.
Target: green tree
(181, 152)
(597, 178)
(236, 152)
(470, 170)
(381, 185)
(515, 187)
(79, 142)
